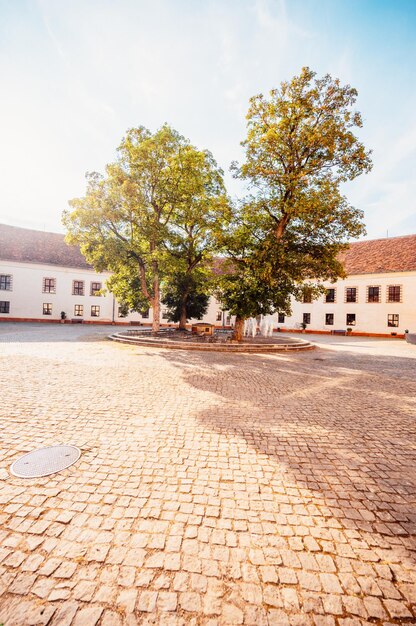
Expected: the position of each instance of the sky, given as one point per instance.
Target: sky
(76, 75)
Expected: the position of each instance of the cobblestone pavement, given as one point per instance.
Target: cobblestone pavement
(212, 489)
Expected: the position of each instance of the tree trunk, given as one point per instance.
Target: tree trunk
(156, 301)
(238, 329)
(183, 318)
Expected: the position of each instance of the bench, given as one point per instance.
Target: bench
(338, 332)
(77, 320)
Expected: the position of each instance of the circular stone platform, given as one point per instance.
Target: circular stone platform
(45, 461)
(219, 343)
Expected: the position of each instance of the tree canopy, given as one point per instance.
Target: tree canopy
(159, 199)
(300, 148)
(160, 213)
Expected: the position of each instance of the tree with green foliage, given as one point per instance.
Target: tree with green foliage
(186, 297)
(193, 243)
(130, 222)
(289, 230)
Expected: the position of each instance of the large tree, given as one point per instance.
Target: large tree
(186, 296)
(301, 146)
(193, 242)
(129, 221)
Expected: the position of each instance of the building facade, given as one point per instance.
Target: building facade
(43, 279)
(377, 297)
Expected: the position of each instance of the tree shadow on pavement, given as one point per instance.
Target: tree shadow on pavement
(342, 425)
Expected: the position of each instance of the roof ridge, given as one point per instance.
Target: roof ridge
(353, 243)
(32, 230)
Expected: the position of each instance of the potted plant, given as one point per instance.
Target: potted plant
(63, 317)
(349, 330)
(303, 326)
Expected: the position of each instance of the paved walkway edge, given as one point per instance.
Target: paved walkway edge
(299, 344)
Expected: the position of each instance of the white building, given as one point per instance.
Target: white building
(41, 276)
(378, 296)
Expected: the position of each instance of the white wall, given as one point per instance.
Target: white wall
(27, 298)
(371, 317)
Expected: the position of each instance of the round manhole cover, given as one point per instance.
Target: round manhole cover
(45, 461)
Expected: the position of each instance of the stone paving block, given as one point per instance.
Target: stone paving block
(212, 488)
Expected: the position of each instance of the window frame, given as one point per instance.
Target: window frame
(379, 294)
(6, 282)
(281, 318)
(306, 316)
(49, 289)
(95, 306)
(47, 308)
(326, 319)
(354, 323)
(78, 306)
(93, 292)
(394, 301)
(392, 324)
(326, 295)
(75, 289)
(307, 295)
(4, 302)
(348, 294)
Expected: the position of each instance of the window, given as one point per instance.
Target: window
(49, 285)
(228, 320)
(394, 293)
(95, 311)
(393, 320)
(329, 319)
(145, 314)
(373, 294)
(350, 319)
(78, 310)
(77, 287)
(165, 314)
(351, 294)
(307, 295)
(219, 316)
(47, 308)
(6, 282)
(4, 307)
(95, 288)
(281, 318)
(306, 318)
(330, 295)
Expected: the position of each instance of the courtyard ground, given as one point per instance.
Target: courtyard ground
(213, 488)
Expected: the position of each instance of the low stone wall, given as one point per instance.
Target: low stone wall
(152, 342)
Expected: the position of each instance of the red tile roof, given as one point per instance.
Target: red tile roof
(377, 256)
(34, 246)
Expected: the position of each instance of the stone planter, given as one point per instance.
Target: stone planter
(411, 338)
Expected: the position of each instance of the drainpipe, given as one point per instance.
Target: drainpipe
(114, 308)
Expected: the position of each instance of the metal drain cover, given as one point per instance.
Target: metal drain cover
(45, 461)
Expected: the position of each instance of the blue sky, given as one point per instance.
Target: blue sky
(75, 75)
